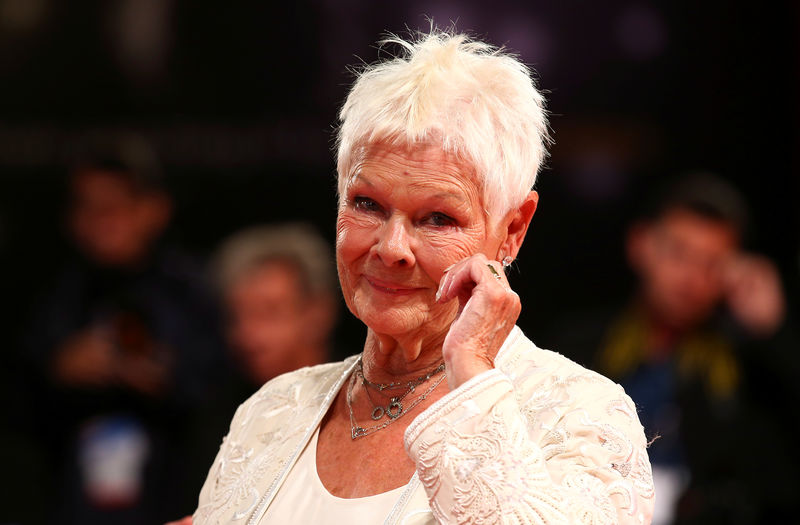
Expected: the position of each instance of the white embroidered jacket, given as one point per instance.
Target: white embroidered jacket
(539, 439)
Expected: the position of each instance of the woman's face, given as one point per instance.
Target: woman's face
(406, 215)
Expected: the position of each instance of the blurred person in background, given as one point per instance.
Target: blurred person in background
(126, 341)
(704, 349)
(278, 287)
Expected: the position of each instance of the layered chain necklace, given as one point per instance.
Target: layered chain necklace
(394, 408)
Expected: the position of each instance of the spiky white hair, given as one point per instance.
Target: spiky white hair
(473, 99)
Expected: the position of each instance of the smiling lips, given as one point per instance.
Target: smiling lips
(391, 288)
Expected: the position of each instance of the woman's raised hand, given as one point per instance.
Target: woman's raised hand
(488, 310)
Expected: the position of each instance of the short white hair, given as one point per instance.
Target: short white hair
(475, 100)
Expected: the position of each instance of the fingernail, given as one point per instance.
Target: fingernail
(438, 294)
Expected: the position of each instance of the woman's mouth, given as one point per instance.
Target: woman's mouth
(390, 287)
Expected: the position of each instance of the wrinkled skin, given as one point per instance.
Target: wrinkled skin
(413, 244)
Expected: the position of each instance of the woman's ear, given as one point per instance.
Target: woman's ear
(517, 223)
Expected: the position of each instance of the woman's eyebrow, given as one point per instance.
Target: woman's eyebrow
(450, 196)
(439, 193)
(360, 177)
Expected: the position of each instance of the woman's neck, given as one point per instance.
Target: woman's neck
(389, 359)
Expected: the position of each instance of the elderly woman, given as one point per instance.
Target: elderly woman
(449, 413)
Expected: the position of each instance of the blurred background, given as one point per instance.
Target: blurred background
(231, 109)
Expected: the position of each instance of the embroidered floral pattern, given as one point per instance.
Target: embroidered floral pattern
(490, 481)
(237, 473)
(538, 440)
(263, 433)
(562, 445)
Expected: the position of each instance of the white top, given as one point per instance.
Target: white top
(539, 439)
(304, 499)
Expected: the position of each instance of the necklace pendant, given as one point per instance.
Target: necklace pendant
(394, 409)
(377, 413)
(357, 432)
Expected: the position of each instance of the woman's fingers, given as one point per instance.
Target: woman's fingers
(488, 309)
(462, 277)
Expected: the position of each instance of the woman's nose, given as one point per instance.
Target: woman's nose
(394, 243)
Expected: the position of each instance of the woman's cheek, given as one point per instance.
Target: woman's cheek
(349, 219)
(353, 234)
(454, 246)
(352, 244)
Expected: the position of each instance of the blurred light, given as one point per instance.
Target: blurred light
(21, 16)
(597, 156)
(141, 35)
(528, 37)
(443, 15)
(596, 174)
(641, 32)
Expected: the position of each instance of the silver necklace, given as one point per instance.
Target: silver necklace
(395, 409)
(388, 386)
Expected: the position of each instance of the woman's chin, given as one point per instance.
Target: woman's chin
(406, 322)
(393, 323)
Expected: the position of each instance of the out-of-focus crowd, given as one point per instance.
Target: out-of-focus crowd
(706, 348)
(138, 355)
(135, 361)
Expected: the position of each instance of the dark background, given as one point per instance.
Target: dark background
(240, 101)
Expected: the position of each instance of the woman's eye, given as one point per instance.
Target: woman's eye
(440, 219)
(365, 204)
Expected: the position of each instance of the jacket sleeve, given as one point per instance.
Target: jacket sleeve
(484, 458)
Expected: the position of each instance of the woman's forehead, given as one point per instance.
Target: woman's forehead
(423, 164)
